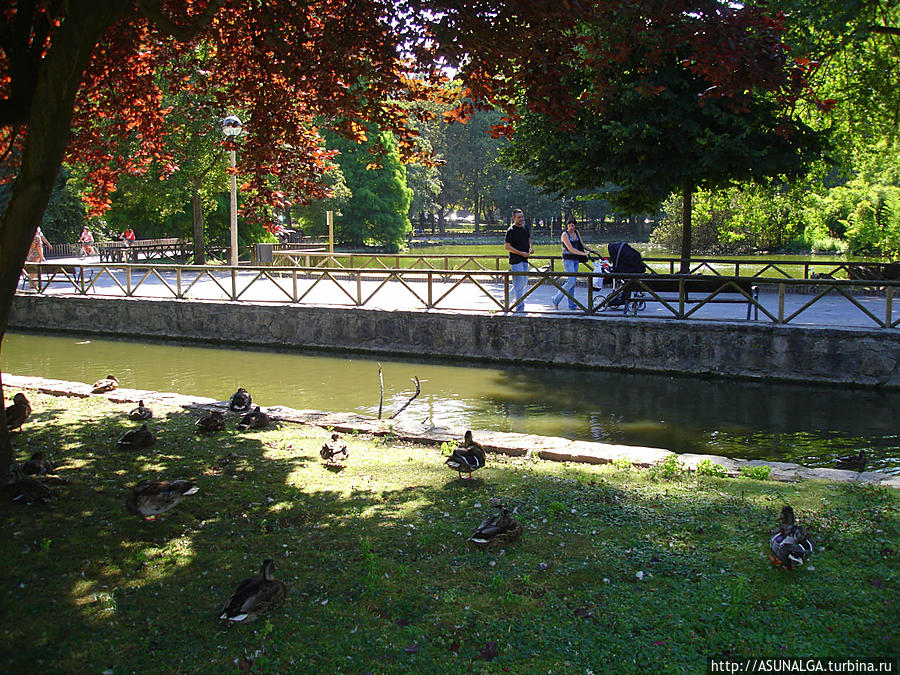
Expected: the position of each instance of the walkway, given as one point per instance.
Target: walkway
(447, 295)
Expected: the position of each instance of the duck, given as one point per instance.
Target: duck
(212, 421)
(24, 490)
(256, 419)
(108, 383)
(255, 596)
(150, 499)
(142, 412)
(17, 412)
(38, 466)
(790, 542)
(334, 450)
(496, 530)
(137, 438)
(240, 400)
(855, 462)
(468, 458)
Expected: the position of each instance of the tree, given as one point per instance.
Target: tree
(81, 77)
(666, 129)
(377, 211)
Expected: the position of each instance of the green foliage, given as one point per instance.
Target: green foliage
(449, 447)
(705, 467)
(64, 215)
(735, 221)
(669, 468)
(377, 211)
(760, 472)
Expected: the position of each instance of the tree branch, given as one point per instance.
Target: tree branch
(165, 25)
(411, 399)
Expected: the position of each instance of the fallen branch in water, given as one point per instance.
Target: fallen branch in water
(411, 399)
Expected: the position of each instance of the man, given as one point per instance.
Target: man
(518, 243)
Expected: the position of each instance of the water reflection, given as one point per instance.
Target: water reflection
(811, 425)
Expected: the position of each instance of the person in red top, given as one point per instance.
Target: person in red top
(128, 236)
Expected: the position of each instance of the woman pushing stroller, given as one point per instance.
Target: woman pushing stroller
(574, 252)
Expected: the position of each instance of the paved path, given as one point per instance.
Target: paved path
(833, 310)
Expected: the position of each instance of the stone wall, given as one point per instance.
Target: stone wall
(863, 357)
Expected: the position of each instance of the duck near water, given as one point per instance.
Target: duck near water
(212, 421)
(335, 450)
(790, 543)
(240, 400)
(142, 412)
(17, 412)
(255, 596)
(496, 531)
(256, 419)
(108, 383)
(468, 458)
(137, 438)
(150, 499)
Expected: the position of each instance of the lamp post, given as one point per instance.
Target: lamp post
(231, 126)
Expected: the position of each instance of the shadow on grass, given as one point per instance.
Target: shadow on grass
(380, 577)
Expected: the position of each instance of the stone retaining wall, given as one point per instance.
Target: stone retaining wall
(756, 350)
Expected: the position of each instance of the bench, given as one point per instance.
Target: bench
(695, 289)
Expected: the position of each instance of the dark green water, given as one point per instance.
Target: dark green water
(810, 425)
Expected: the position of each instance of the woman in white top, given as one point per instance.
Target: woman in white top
(573, 253)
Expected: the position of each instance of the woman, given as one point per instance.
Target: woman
(86, 239)
(36, 250)
(573, 253)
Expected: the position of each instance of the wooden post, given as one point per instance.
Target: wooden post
(329, 217)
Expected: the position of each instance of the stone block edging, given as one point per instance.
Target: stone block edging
(549, 448)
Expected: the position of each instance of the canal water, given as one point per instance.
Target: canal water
(805, 424)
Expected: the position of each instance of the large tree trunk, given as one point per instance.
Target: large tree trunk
(686, 230)
(199, 237)
(49, 122)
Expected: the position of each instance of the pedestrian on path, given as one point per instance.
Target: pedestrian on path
(518, 243)
(573, 254)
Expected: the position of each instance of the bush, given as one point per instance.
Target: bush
(756, 472)
(707, 468)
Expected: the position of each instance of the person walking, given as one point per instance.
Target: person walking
(573, 254)
(518, 243)
(36, 253)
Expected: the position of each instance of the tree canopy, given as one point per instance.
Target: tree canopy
(78, 79)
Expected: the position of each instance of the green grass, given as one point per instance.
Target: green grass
(379, 575)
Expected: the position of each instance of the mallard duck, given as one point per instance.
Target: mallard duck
(24, 490)
(142, 412)
(240, 400)
(334, 450)
(855, 462)
(18, 412)
(38, 466)
(790, 543)
(137, 438)
(256, 419)
(149, 499)
(496, 530)
(108, 383)
(212, 421)
(468, 458)
(255, 596)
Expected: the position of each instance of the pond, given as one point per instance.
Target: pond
(787, 422)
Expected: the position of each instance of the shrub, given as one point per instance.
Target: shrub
(756, 472)
(707, 468)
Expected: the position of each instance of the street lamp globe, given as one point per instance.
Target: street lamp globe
(231, 126)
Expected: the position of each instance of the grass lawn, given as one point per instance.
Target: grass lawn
(380, 578)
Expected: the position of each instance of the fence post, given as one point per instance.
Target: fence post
(359, 289)
(780, 303)
(178, 282)
(888, 306)
(429, 277)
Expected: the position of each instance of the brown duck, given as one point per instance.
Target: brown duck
(255, 596)
(137, 438)
(18, 412)
(150, 499)
(212, 421)
(334, 450)
(108, 383)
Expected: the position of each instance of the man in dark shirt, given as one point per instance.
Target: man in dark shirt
(518, 243)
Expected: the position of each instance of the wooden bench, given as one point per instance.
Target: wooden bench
(683, 289)
(119, 251)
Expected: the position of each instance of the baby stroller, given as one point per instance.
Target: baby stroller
(623, 259)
